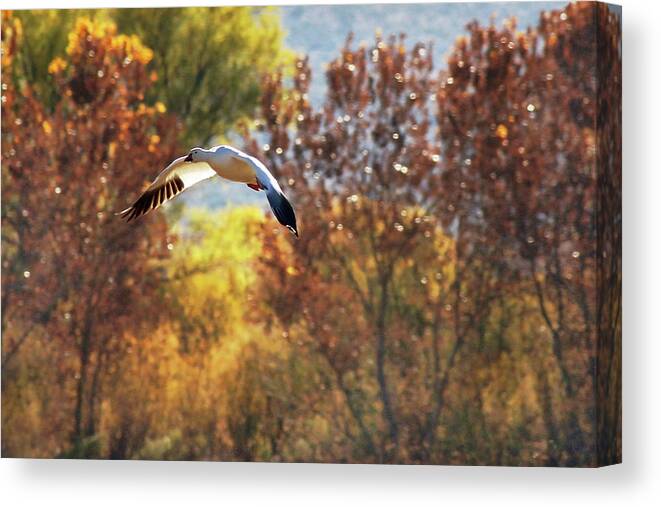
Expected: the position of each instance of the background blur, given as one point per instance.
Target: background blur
(440, 306)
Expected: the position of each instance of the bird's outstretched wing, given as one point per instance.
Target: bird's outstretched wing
(173, 180)
(280, 205)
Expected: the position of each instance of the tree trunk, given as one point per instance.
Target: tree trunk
(80, 390)
(388, 453)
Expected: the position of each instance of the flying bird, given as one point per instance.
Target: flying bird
(201, 164)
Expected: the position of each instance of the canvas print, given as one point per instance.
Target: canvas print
(339, 234)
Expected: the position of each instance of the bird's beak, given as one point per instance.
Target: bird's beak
(189, 158)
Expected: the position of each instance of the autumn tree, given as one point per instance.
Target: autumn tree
(520, 110)
(608, 314)
(75, 278)
(374, 280)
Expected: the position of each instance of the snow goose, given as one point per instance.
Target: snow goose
(201, 164)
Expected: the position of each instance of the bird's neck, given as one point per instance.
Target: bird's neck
(205, 155)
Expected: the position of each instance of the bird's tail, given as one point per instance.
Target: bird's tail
(282, 210)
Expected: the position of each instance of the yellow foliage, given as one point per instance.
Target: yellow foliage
(57, 65)
(130, 45)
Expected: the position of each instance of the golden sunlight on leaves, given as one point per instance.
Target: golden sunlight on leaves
(56, 66)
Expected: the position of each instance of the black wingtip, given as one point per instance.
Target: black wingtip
(283, 211)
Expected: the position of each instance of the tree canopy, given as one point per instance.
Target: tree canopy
(207, 62)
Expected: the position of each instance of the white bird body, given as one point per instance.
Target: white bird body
(235, 170)
(200, 164)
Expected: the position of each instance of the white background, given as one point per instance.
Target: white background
(636, 482)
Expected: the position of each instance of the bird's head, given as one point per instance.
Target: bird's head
(194, 155)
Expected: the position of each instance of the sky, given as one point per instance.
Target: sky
(321, 30)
